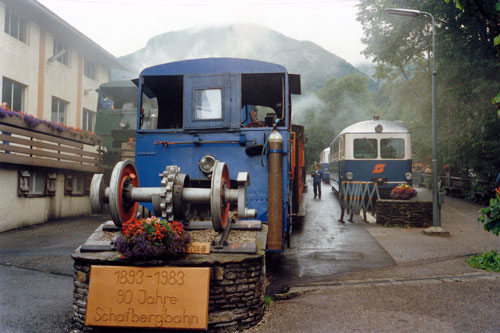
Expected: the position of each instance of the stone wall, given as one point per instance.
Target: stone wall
(404, 213)
(236, 301)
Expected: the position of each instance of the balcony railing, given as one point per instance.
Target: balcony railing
(38, 144)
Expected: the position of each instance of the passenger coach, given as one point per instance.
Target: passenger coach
(324, 161)
(377, 151)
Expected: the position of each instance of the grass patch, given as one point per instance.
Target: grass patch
(268, 301)
(489, 261)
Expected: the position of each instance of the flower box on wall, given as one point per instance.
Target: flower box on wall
(29, 122)
(25, 140)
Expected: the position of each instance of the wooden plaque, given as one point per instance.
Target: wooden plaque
(158, 297)
(198, 248)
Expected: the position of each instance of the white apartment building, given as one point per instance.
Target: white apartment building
(48, 68)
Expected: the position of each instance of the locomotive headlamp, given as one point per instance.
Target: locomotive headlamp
(349, 176)
(207, 163)
(408, 176)
(123, 123)
(379, 128)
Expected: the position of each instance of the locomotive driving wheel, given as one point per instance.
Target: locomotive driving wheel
(219, 206)
(97, 191)
(124, 177)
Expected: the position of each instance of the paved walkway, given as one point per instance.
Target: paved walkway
(430, 289)
(407, 281)
(321, 247)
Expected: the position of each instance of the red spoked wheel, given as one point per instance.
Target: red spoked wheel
(124, 177)
(219, 206)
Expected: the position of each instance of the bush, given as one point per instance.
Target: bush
(489, 261)
(490, 216)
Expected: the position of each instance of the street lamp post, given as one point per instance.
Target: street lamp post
(436, 222)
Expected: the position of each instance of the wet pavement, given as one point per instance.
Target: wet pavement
(396, 279)
(36, 274)
(321, 246)
(429, 287)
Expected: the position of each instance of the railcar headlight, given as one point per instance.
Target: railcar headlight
(349, 176)
(408, 176)
(207, 163)
(123, 123)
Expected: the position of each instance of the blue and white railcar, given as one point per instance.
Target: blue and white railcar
(376, 151)
(324, 163)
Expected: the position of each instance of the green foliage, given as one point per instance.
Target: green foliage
(496, 41)
(485, 13)
(337, 105)
(268, 301)
(489, 261)
(496, 99)
(490, 216)
(467, 67)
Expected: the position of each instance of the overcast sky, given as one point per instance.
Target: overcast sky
(125, 26)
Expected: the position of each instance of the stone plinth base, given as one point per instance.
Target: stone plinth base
(237, 284)
(404, 213)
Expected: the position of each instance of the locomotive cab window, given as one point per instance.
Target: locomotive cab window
(392, 148)
(162, 96)
(262, 99)
(365, 148)
(208, 103)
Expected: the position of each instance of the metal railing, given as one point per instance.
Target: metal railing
(357, 196)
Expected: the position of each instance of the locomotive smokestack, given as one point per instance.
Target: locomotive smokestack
(275, 191)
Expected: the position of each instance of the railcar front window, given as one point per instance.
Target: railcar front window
(392, 148)
(208, 104)
(365, 148)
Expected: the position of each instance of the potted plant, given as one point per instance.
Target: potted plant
(151, 237)
(403, 192)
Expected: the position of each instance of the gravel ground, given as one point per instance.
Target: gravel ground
(206, 235)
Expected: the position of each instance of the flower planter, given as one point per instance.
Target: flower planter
(403, 192)
(34, 124)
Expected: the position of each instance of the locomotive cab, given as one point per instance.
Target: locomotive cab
(205, 102)
(217, 109)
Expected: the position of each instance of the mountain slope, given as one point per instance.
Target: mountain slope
(315, 64)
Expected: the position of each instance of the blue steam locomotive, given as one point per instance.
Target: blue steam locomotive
(219, 118)
(377, 151)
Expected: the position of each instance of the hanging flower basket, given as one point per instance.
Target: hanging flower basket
(151, 237)
(403, 192)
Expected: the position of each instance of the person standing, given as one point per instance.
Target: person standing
(317, 177)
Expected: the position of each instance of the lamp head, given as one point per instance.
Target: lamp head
(402, 12)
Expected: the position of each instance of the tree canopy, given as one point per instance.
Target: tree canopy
(468, 76)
